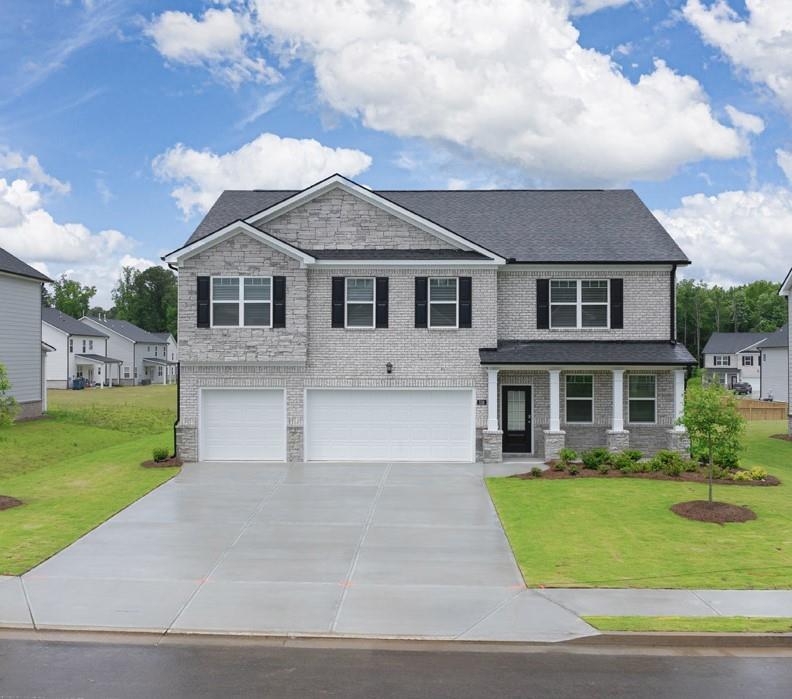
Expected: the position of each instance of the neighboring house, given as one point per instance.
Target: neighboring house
(81, 351)
(22, 351)
(143, 355)
(340, 323)
(735, 358)
(172, 353)
(775, 365)
(786, 290)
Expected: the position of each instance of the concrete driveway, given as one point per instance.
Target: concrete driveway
(394, 550)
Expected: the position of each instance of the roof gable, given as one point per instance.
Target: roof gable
(732, 343)
(67, 324)
(125, 329)
(13, 265)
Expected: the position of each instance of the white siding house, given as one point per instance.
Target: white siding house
(172, 354)
(775, 366)
(735, 358)
(21, 349)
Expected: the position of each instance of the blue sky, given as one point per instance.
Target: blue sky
(687, 101)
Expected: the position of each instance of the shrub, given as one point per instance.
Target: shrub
(622, 461)
(690, 466)
(741, 476)
(9, 408)
(567, 455)
(573, 470)
(160, 453)
(726, 457)
(559, 466)
(669, 462)
(593, 458)
(758, 473)
(719, 473)
(604, 469)
(536, 472)
(633, 454)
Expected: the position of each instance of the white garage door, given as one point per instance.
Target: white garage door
(389, 425)
(242, 425)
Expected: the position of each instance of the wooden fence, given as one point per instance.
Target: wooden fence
(762, 409)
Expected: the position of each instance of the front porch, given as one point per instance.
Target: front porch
(97, 369)
(536, 408)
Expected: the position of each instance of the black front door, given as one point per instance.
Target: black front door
(516, 419)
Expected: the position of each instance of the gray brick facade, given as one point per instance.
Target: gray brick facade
(309, 353)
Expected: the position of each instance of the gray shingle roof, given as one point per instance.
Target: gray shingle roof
(101, 358)
(162, 336)
(13, 265)
(396, 254)
(526, 225)
(559, 352)
(780, 338)
(129, 330)
(67, 324)
(730, 343)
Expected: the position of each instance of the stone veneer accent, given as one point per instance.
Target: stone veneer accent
(492, 446)
(618, 440)
(554, 442)
(679, 442)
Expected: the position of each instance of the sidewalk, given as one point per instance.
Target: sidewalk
(539, 616)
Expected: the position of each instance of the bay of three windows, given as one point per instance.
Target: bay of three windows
(642, 398)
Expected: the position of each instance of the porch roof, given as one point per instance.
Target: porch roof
(158, 362)
(582, 352)
(99, 359)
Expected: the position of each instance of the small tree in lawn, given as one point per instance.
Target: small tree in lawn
(8, 405)
(714, 424)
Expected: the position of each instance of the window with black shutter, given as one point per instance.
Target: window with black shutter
(203, 291)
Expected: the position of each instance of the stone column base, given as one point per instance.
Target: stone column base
(554, 442)
(187, 443)
(295, 444)
(618, 440)
(679, 442)
(492, 446)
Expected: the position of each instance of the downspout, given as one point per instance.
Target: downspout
(178, 404)
(673, 304)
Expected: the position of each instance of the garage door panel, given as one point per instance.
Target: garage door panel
(242, 425)
(389, 425)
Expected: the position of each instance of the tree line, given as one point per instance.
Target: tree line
(147, 298)
(703, 309)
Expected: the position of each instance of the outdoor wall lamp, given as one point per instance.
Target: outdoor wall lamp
(389, 368)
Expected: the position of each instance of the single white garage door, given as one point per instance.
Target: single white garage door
(242, 425)
(389, 425)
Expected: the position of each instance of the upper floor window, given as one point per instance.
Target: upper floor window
(242, 301)
(579, 398)
(643, 391)
(156, 350)
(443, 306)
(360, 300)
(90, 344)
(83, 343)
(579, 303)
(747, 360)
(71, 345)
(721, 360)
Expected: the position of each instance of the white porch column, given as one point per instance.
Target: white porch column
(618, 400)
(101, 381)
(492, 400)
(555, 400)
(679, 398)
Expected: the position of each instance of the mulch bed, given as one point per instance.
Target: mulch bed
(785, 437)
(167, 463)
(7, 502)
(692, 476)
(717, 512)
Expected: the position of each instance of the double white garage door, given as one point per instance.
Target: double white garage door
(340, 425)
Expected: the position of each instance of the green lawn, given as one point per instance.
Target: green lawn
(621, 533)
(692, 624)
(78, 467)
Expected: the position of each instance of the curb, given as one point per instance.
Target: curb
(687, 639)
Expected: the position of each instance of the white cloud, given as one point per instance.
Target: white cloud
(217, 41)
(734, 237)
(506, 79)
(586, 7)
(267, 162)
(760, 44)
(784, 160)
(30, 167)
(750, 123)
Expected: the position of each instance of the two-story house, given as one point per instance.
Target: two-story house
(23, 353)
(81, 351)
(732, 358)
(338, 323)
(143, 356)
(172, 354)
(775, 366)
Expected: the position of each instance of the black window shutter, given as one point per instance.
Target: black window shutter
(421, 288)
(465, 302)
(203, 302)
(382, 302)
(279, 302)
(542, 304)
(617, 304)
(337, 318)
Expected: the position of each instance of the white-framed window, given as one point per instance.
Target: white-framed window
(579, 398)
(721, 360)
(136, 373)
(71, 345)
(443, 302)
(126, 372)
(83, 345)
(360, 301)
(159, 371)
(642, 398)
(579, 303)
(241, 302)
(90, 344)
(747, 360)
